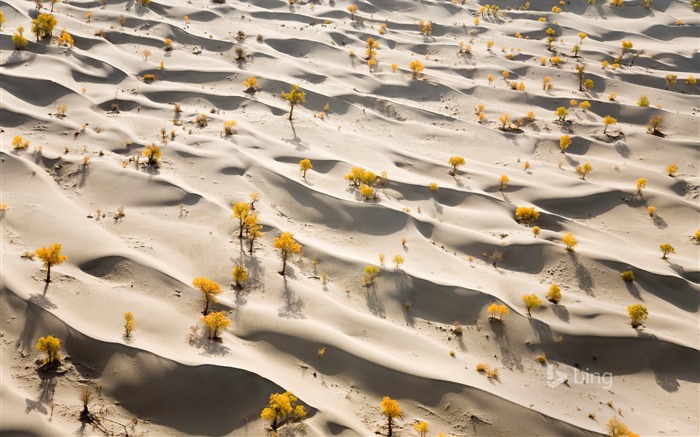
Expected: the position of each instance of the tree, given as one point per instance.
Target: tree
(43, 25)
(2, 19)
(619, 429)
(251, 84)
(554, 294)
(51, 256)
(286, 244)
(254, 232)
(570, 241)
(241, 210)
(526, 213)
(153, 154)
(671, 80)
(209, 289)
(421, 427)
(295, 97)
(564, 142)
(353, 10)
(580, 69)
(638, 315)
(503, 180)
(283, 408)
(215, 323)
(666, 249)
(371, 273)
(367, 192)
(641, 185)
(655, 124)
(305, 165)
(230, 127)
(455, 161)
(492, 309)
(65, 39)
(608, 121)
(129, 324)
(561, 113)
(51, 346)
(240, 274)
(584, 170)
(53, 2)
(671, 169)
(18, 39)
(390, 409)
(531, 301)
(417, 67)
(627, 276)
(398, 260)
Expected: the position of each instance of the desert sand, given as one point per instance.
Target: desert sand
(400, 336)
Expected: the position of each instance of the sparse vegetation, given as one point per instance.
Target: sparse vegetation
(295, 97)
(526, 214)
(391, 410)
(215, 323)
(129, 324)
(50, 256)
(531, 302)
(287, 246)
(627, 276)
(638, 314)
(554, 294)
(283, 408)
(209, 289)
(304, 166)
(370, 274)
(51, 346)
(641, 185)
(570, 241)
(455, 161)
(416, 67)
(666, 249)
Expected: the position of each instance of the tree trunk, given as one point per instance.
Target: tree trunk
(284, 263)
(291, 111)
(48, 272)
(390, 430)
(206, 304)
(250, 250)
(240, 230)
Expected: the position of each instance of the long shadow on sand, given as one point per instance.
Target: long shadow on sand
(292, 305)
(585, 280)
(510, 359)
(373, 302)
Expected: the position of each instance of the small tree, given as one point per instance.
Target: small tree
(370, 275)
(503, 181)
(627, 276)
(671, 80)
(526, 214)
(580, 69)
(536, 231)
(638, 315)
(570, 241)
(619, 429)
(65, 39)
(240, 274)
(305, 165)
(655, 124)
(215, 323)
(86, 396)
(251, 84)
(51, 346)
(584, 170)
(283, 408)
(230, 127)
(241, 210)
(421, 428)
(531, 301)
(129, 324)
(43, 25)
(286, 244)
(295, 97)
(417, 67)
(209, 290)
(608, 121)
(153, 154)
(561, 113)
(390, 409)
(51, 256)
(18, 39)
(671, 169)
(455, 161)
(564, 143)
(353, 10)
(554, 294)
(666, 249)
(398, 260)
(254, 232)
(641, 185)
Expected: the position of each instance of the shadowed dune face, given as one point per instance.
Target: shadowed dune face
(446, 243)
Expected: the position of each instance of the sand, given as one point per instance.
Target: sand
(397, 337)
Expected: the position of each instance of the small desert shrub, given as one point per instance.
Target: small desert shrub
(643, 101)
(554, 294)
(51, 346)
(202, 120)
(455, 161)
(229, 127)
(148, 77)
(655, 123)
(433, 187)
(304, 166)
(19, 143)
(536, 231)
(492, 373)
(18, 39)
(65, 39)
(619, 429)
(584, 170)
(531, 302)
(494, 308)
(541, 358)
(627, 276)
(295, 97)
(641, 185)
(370, 274)
(608, 121)
(43, 25)
(564, 142)
(671, 169)
(666, 249)
(50, 256)
(482, 367)
(367, 192)
(638, 314)
(251, 84)
(416, 67)
(570, 241)
(353, 10)
(129, 324)
(153, 154)
(526, 214)
(651, 210)
(561, 113)
(585, 105)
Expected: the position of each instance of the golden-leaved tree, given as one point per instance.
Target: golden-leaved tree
(51, 256)
(287, 245)
(50, 345)
(295, 97)
(209, 290)
(283, 408)
(392, 410)
(215, 322)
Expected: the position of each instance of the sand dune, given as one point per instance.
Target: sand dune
(396, 337)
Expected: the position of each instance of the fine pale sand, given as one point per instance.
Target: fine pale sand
(395, 338)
